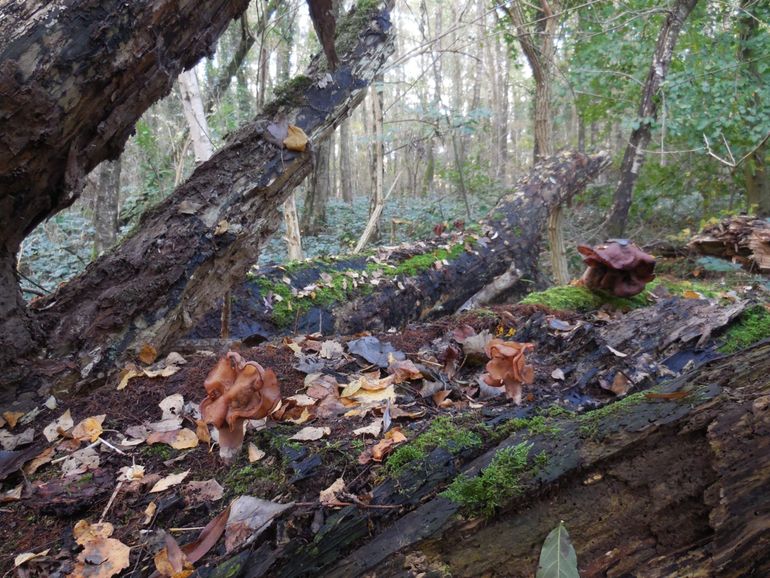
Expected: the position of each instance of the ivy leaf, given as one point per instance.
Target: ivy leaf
(557, 557)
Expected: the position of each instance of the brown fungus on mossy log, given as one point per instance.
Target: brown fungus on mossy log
(617, 267)
(237, 390)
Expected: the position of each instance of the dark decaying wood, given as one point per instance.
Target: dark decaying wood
(741, 239)
(74, 78)
(193, 246)
(659, 488)
(509, 243)
(639, 486)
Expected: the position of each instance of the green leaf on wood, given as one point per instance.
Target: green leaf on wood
(557, 557)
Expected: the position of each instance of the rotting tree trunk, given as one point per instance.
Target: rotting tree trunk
(672, 482)
(633, 158)
(74, 78)
(193, 246)
(510, 241)
(658, 487)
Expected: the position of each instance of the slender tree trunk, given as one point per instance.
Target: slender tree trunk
(755, 171)
(633, 159)
(346, 176)
(291, 221)
(378, 152)
(106, 206)
(314, 215)
(192, 105)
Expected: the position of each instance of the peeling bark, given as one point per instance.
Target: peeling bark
(193, 246)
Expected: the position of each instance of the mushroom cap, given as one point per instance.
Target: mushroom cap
(507, 363)
(236, 390)
(618, 267)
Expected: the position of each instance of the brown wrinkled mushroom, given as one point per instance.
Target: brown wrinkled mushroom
(237, 390)
(507, 367)
(617, 267)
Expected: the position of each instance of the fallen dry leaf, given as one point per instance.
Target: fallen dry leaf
(57, 427)
(440, 398)
(12, 417)
(249, 517)
(12, 495)
(328, 496)
(84, 531)
(41, 459)
(149, 512)
(180, 439)
(169, 481)
(202, 431)
(89, 429)
(309, 434)
(208, 537)
(10, 442)
(80, 462)
(202, 492)
(102, 558)
(172, 406)
(372, 429)
(128, 373)
(148, 354)
(171, 561)
(255, 454)
(27, 556)
(404, 370)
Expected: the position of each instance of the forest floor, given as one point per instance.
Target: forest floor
(342, 403)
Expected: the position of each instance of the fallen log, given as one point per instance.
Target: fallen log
(395, 286)
(577, 465)
(740, 239)
(671, 483)
(193, 246)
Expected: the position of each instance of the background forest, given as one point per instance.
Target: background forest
(451, 124)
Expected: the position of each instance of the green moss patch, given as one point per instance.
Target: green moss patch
(589, 421)
(495, 485)
(752, 326)
(288, 306)
(578, 298)
(442, 433)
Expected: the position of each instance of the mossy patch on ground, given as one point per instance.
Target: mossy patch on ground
(752, 326)
(444, 433)
(495, 485)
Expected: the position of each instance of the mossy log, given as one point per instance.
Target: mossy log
(658, 485)
(419, 282)
(195, 245)
(668, 481)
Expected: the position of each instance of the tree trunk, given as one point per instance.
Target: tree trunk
(193, 246)
(314, 215)
(69, 105)
(755, 169)
(378, 151)
(540, 58)
(346, 171)
(192, 105)
(633, 158)
(106, 206)
(417, 287)
(293, 235)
